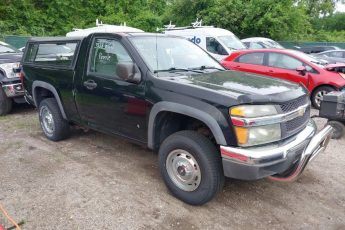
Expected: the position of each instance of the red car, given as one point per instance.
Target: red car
(289, 65)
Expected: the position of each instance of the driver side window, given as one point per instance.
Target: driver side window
(336, 54)
(105, 55)
(213, 46)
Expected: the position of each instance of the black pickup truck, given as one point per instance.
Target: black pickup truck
(11, 89)
(169, 95)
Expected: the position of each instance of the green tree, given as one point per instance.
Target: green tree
(318, 8)
(184, 12)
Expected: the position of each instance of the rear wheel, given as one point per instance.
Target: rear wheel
(5, 103)
(317, 95)
(191, 167)
(54, 126)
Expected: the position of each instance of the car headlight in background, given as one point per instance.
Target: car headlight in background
(7, 68)
(250, 134)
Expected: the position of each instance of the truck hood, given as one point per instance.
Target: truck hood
(10, 57)
(239, 86)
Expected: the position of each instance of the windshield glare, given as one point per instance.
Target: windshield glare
(232, 42)
(272, 44)
(7, 49)
(164, 53)
(308, 58)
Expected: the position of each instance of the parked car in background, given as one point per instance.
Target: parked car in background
(10, 86)
(290, 65)
(332, 56)
(261, 43)
(216, 41)
(316, 49)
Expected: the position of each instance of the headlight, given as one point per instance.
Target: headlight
(251, 111)
(7, 68)
(248, 134)
(258, 135)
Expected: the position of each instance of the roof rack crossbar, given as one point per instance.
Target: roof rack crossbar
(196, 24)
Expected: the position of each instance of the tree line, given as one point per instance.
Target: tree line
(294, 20)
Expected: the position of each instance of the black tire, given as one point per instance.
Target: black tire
(339, 129)
(208, 159)
(5, 103)
(60, 129)
(315, 96)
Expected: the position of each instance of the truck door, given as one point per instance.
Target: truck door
(107, 102)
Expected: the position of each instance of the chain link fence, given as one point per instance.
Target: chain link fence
(293, 45)
(16, 41)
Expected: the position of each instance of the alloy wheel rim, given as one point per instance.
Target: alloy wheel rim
(47, 120)
(183, 170)
(319, 97)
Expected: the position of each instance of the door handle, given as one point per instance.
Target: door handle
(90, 84)
(271, 71)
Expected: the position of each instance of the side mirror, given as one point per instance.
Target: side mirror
(128, 72)
(302, 70)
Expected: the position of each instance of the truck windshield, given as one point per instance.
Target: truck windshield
(172, 53)
(232, 42)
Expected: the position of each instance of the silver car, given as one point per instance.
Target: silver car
(332, 56)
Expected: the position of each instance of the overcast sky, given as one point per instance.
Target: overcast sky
(340, 7)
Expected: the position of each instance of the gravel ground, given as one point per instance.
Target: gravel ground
(94, 181)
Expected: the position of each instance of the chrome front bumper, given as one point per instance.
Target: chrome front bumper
(13, 90)
(275, 160)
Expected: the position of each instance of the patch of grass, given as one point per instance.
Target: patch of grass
(8, 145)
(5, 118)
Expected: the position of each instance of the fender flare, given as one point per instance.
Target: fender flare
(185, 110)
(51, 88)
(1, 78)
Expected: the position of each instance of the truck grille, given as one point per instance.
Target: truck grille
(298, 122)
(294, 126)
(294, 104)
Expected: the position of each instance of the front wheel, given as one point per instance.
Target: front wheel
(191, 167)
(54, 126)
(317, 95)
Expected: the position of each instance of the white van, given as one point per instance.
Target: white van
(100, 27)
(216, 41)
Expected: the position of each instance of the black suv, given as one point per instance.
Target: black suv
(168, 94)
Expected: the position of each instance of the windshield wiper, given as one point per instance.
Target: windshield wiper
(173, 69)
(203, 67)
(319, 62)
